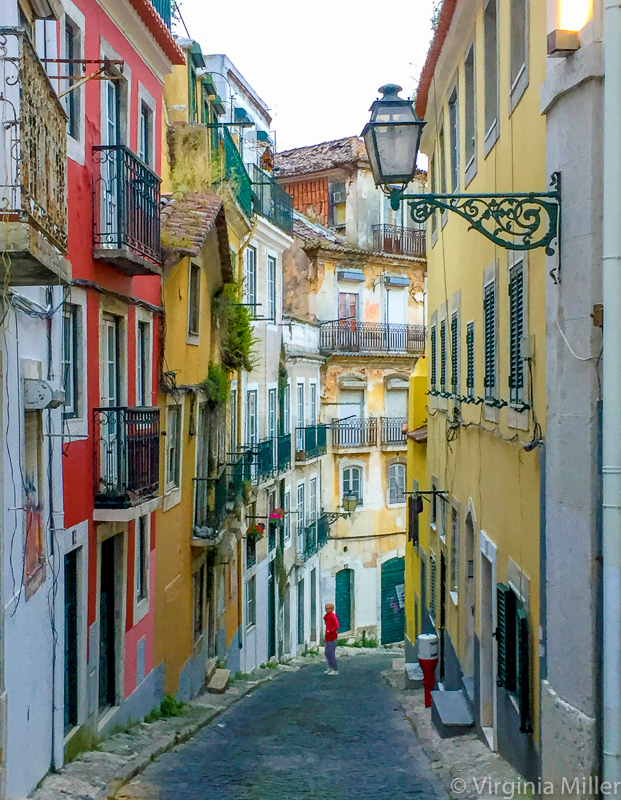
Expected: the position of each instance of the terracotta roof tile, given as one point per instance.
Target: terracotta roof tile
(186, 223)
(320, 157)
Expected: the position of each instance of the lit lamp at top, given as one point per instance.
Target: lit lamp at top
(392, 138)
(572, 16)
(350, 501)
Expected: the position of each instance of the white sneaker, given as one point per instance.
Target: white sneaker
(333, 672)
(327, 671)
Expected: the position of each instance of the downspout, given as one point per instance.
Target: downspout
(611, 446)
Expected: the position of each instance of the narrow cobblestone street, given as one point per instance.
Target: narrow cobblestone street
(308, 735)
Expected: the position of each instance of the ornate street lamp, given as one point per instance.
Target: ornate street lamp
(515, 221)
(350, 501)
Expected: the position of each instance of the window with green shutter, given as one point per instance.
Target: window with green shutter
(443, 355)
(470, 359)
(513, 648)
(454, 353)
(434, 357)
(516, 332)
(432, 585)
(489, 321)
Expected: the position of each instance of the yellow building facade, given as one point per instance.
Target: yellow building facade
(473, 575)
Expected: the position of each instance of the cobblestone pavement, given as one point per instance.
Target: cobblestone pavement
(307, 736)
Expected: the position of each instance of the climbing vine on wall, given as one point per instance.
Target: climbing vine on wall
(234, 321)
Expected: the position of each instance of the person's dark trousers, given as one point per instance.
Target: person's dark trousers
(331, 654)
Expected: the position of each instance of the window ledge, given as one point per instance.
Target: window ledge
(454, 598)
(172, 498)
(490, 414)
(490, 139)
(519, 87)
(519, 420)
(470, 171)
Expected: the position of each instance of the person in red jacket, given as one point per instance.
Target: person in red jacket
(332, 626)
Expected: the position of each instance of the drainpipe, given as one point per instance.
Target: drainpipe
(611, 452)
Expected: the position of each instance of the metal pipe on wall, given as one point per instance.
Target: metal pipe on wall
(611, 452)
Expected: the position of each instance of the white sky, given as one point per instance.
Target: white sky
(316, 64)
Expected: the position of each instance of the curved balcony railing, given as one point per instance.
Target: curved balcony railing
(127, 456)
(392, 430)
(352, 432)
(345, 337)
(393, 239)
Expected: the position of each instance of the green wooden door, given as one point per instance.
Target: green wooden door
(344, 582)
(393, 606)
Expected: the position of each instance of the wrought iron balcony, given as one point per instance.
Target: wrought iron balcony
(350, 337)
(33, 168)
(312, 537)
(238, 473)
(126, 215)
(127, 456)
(271, 200)
(394, 239)
(210, 505)
(233, 170)
(392, 430)
(353, 432)
(163, 8)
(311, 442)
(284, 453)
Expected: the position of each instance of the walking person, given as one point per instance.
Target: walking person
(332, 626)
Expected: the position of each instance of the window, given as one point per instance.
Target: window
(434, 358)
(271, 288)
(287, 510)
(111, 383)
(470, 359)
(454, 550)
(142, 558)
(251, 602)
(198, 592)
(454, 139)
(489, 320)
(301, 508)
(250, 279)
(338, 204)
(251, 417)
(300, 396)
(434, 502)
(145, 143)
(443, 355)
(233, 421)
(286, 409)
(73, 50)
(312, 417)
(194, 299)
(352, 482)
(432, 585)
(442, 157)
(455, 353)
(512, 637)
(312, 500)
(516, 332)
(519, 40)
(143, 352)
(396, 484)
(173, 446)
(348, 309)
(271, 414)
(32, 479)
(470, 115)
(490, 34)
(433, 180)
(70, 360)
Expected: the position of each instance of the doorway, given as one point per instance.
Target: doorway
(108, 629)
(470, 598)
(393, 600)
(343, 598)
(301, 611)
(271, 611)
(487, 687)
(313, 605)
(442, 626)
(71, 640)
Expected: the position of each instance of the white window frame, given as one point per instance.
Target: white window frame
(300, 506)
(349, 465)
(470, 107)
(70, 360)
(144, 318)
(287, 510)
(519, 74)
(194, 269)
(75, 146)
(313, 497)
(174, 440)
(250, 279)
(313, 405)
(272, 288)
(250, 605)
(77, 426)
(233, 443)
(141, 602)
(390, 501)
(286, 408)
(491, 125)
(147, 101)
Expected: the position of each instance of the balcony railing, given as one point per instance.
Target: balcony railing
(210, 505)
(238, 472)
(399, 241)
(312, 537)
(264, 460)
(33, 149)
(284, 453)
(311, 442)
(352, 432)
(271, 200)
(392, 430)
(163, 8)
(370, 338)
(234, 171)
(126, 210)
(127, 456)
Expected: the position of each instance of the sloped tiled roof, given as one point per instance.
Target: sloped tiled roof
(315, 235)
(186, 223)
(320, 157)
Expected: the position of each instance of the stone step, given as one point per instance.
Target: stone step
(210, 668)
(469, 690)
(413, 676)
(451, 714)
(398, 664)
(219, 681)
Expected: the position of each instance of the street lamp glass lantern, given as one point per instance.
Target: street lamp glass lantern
(392, 138)
(350, 501)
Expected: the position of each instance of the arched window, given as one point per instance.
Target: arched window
(352, 482)
(396, 484)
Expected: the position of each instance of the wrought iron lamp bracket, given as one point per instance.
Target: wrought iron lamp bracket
(333, 516)
(514, 221)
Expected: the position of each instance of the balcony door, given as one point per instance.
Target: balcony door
(252, 428)
(395, 318)
(110, 390)
(347, 336)
(110, 172)
(351, 410)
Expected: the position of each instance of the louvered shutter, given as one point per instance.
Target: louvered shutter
(490, 340)
(505, 637)
(454, 354)
(516, 332)
(443, 355)
(470, 358)
(434, 354)
(524, 673)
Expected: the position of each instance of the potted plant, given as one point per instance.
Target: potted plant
(277, 514)
(255, 532)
